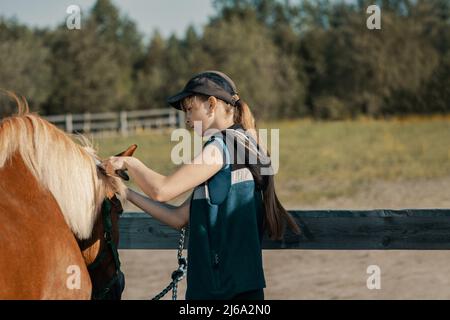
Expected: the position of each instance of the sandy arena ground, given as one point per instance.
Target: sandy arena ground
(304, 274)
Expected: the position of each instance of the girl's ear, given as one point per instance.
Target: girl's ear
(212, 101)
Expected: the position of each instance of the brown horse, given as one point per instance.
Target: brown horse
(58, 214)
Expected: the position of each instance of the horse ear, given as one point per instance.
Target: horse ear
(129, 152)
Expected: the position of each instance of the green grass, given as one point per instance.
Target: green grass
(329, 159)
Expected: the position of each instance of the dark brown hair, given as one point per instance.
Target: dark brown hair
(275, 215)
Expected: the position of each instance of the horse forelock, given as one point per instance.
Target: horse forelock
(62, 166)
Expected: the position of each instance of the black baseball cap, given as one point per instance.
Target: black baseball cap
(209, 83)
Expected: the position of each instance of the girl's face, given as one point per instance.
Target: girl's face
(199, 114)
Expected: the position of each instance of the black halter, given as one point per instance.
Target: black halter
(114, 288)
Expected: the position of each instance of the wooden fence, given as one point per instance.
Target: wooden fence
(122, 122)
(417, 229)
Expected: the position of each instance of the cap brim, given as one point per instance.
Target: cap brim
(175, 100)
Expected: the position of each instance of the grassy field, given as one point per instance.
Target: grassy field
(327, 160)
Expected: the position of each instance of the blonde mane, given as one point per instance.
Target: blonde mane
(62, 166)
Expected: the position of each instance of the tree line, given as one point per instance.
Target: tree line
(288, 59)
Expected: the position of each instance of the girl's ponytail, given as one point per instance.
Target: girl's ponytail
(244, 116)
(275, 215)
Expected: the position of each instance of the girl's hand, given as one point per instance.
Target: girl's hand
(115, 163)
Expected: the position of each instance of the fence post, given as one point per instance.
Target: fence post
(181, 119)
(87, 122)
(123, 123)
(173, 118)
(69, 124)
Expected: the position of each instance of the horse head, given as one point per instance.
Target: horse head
(100, 251)
(81, 200)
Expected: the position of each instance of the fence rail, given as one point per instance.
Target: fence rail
(123, 122)
(412, 229)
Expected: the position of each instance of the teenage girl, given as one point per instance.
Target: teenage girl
(233, 202)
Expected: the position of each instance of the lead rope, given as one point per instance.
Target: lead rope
(178, 274)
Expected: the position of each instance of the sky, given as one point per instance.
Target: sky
(168, 16)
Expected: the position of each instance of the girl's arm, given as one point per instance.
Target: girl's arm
(165, 188)
(175, 217)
